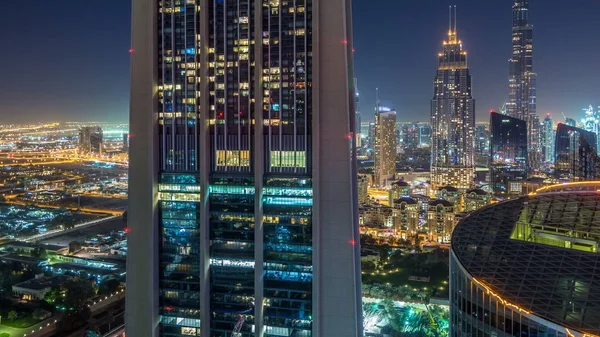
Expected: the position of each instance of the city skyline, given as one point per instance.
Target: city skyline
(98, 53)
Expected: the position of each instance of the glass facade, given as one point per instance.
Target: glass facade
(508, 154)
(575, 151)
(179, 255)
(231, 204)
(288, 251)
(233, 68)
(527, 267)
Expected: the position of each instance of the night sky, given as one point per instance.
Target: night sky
(68, 60)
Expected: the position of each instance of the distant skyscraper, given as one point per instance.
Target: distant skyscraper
(125, 142)
(570, 121)
(424, 134)
(452, 116)
(357, 124)
(385, 146)
(243, 220)
(576, 153)
(371, 138)
(482, 140)
(508, 154)
(522, 80)
(591, 123)
(90, 140)
(410, 136)
(548, 136)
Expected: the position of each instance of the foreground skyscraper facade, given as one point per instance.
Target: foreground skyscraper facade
(452, 117)
(508, 154)
(243, 191)
(522, 80)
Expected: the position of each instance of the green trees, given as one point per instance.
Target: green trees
(39, 253)
(74, 246)
(77, 292)
(12, 315)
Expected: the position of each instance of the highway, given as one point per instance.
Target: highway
(59, 232)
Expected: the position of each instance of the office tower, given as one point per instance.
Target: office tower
(440, 220)
(576, 153)
(410, 136)
(385, 146)
(364, 133)
(357, 122)
(371, 138)
(548, 136)
(570, 121)
(452, 116)
(522, 81)
(482, 140)
(243, 220)
(125, 142)
(424, 134)
(508, 154)
(90, 140)
(591, 123)
(524, 267)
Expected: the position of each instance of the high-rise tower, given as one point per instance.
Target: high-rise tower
(452, 116)
(243, 200)
(548, 138)
(385, 146)
(522, 81)
(508, 154)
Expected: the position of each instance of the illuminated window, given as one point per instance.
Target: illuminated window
(288, 159)
(233, 158)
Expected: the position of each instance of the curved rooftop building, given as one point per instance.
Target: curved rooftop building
(528, 267)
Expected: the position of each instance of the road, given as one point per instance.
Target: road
(74, 209)
(79, 235)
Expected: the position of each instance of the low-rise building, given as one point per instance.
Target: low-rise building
(406, 216)
(398, 190)
(476, 199)
(440, 220)
(38, 287)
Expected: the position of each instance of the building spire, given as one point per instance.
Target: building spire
(453, 18)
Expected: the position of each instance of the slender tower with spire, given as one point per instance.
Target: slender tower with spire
(452, 116)
(522, 81)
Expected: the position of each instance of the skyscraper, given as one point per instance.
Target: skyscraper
(91, 139)
(385, 146)
(508, 154)
(591, 123)
(548, 136)
(243, 218)
(452, 116)
(576, 153)
(482, 140)
(357, 130)
(522, 80)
